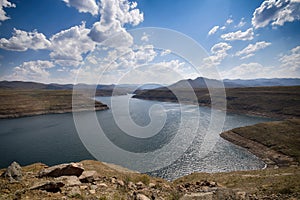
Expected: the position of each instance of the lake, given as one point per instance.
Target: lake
(167, 142)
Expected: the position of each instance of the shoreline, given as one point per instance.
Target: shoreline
(231, 111)
(275, 143)
(271, 158)
(46, 112)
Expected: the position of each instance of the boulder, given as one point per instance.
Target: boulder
(141, 197)
(84, 187)
(102, 185)
(72, 169)
(139, 185)
(88, 176)
(13, 172)
(131, 185)
(69, 180)
(49, 186)
(120, 183)
(92, 191)
(152, 185)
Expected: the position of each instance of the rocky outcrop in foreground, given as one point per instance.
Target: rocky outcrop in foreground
(96, 180)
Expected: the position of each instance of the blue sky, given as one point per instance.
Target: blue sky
(50, 40)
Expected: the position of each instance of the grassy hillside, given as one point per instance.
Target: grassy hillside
(280, 136)
(278, 102)
(18, 103)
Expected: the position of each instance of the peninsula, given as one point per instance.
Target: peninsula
(22, 103)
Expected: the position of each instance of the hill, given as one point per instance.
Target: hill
(202, 82)
(264, 82)
(277, 143)
(277, 102)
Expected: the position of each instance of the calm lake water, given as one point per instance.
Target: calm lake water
(54, 139)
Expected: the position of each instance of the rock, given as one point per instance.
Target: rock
(75, 191)
(83, 187)
(49, 186)
(139, 185)
(88, 176)
(13, 172)
(131, 185)
(198, 196)
(103, 185)
(113, 180)
(141, 197)
(72, 169)
(93, 187)
(213, 184)
(92, 191)
(121, 183)
(152, 185)
(241, 195)
(69, 180)
(207, 183)
(166, 186)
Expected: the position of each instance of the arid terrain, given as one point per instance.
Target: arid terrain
(276, 143)
(275, 102)
(21, 103)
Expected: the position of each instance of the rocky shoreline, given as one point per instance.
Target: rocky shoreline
(272, 102)
(229, 110)
(270, 157)
(25, 103)
(45, 112)
(276, 143)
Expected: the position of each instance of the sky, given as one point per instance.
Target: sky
(70, 41)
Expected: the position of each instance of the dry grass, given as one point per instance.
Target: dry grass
(284, 181)
(281, 102)
(281, 136)
(18, 103)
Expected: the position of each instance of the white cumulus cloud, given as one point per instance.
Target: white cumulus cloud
(31, 71)
(69, 45)
(5, 4)
(213, 30)
(22, 41)
(239, 35)
(86, 6)
(252, 48)
(292, 60)
(219, 53)
(276, 12)
(241, 23)
(114, 15)
(247, 71)
(229, 21)
(289, 67)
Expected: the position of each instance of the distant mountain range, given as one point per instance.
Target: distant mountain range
(54, 86)
(202, 82)
(199, 82)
